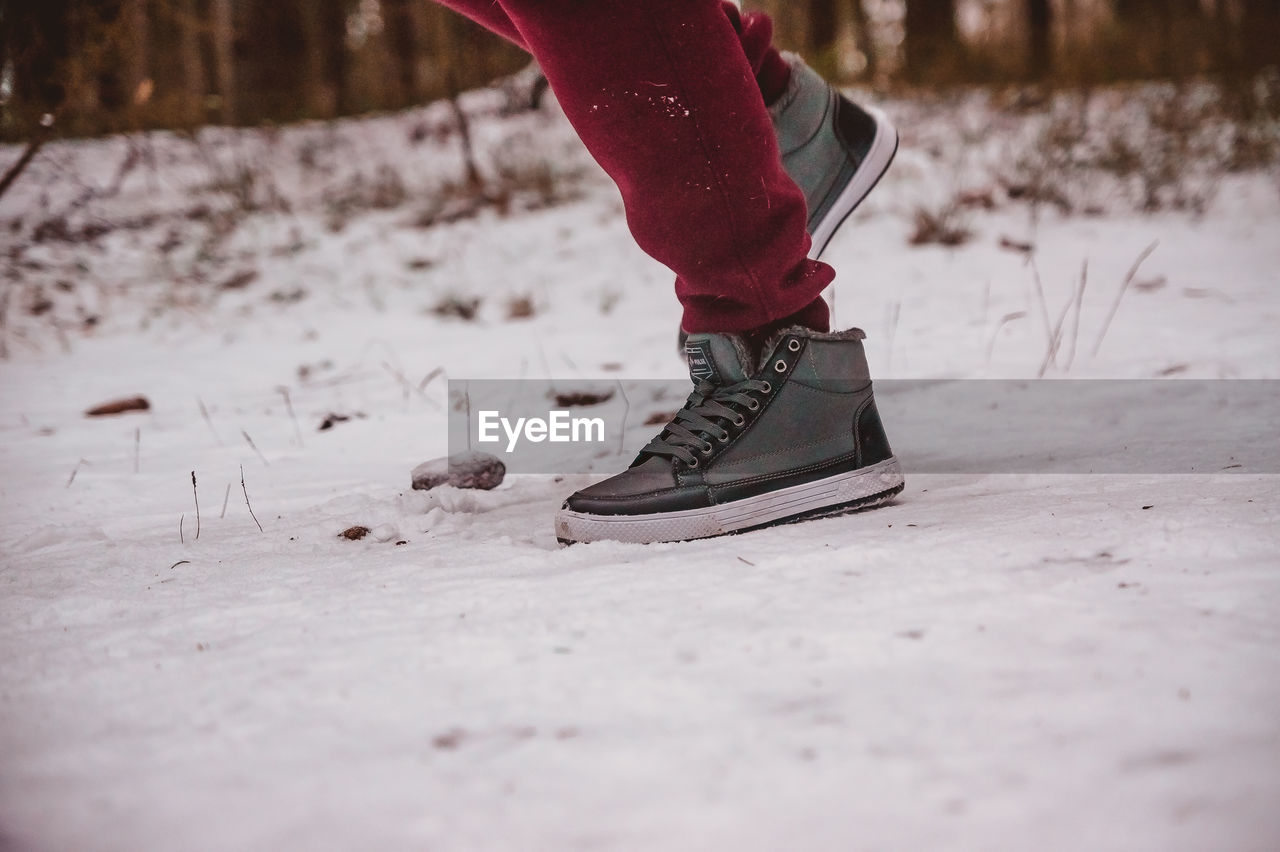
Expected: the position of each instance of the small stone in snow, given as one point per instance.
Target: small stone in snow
(461, 470)
(449, 740)
(331, 420)
(354, 533)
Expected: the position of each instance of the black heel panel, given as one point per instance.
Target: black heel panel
(873, 443)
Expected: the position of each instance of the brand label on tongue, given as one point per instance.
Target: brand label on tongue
(701, 365)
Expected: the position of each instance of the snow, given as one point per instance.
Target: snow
(995, 661)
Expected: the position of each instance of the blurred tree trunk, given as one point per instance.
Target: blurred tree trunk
(324, 32)
(1039, 38)
(1260, 32)
(403, 36)
(333, 23)
(223, 28)
(82, 65)
(190, 29)
(133, 38)
(865, 38)
(932, 39)
(1158, 30)
(36, 39)
(809, 27)
(823, 29)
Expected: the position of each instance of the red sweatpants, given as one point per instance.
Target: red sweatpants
(663, 94)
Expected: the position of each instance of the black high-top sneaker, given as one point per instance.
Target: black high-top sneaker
(835, 150)
(792, 437)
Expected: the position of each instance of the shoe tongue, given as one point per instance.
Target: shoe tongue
(720, 358)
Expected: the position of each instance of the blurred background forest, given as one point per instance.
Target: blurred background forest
(89, 68)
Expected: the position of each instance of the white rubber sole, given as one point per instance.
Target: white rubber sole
(879, 156)
(845, 492)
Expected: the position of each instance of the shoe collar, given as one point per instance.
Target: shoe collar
(725, 358)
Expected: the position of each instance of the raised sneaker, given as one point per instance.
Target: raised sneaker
(835, 150)
(792, 435)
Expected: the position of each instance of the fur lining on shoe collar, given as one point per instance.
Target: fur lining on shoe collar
(800, 331)
(743, 351)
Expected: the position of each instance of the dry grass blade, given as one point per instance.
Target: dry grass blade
(74, 471)
(254, 447)
(1055, 340)
(1075, 322)
(204, 412)
(1041, 301)
(246, 500)
(288, 404)
(196, 495)
(1004, 320)
(1115, 306)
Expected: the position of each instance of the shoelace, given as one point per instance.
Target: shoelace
(690, 432)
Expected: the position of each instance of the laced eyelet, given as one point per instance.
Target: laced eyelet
(754, 405)
(794, 345)
(739, 420)
(693, 464)
(780, 365)
(723, 437)
(768, 388)
(706, 450)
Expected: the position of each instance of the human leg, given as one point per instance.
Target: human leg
(834, 150)
(663, 97)
(781, 423)
(755, 34)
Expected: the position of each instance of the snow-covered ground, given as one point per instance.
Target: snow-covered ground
(993, 662)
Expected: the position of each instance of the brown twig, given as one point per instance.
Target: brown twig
(181, 537)
(246, 500)
(474, 182)
(12, 173)
(196, 494)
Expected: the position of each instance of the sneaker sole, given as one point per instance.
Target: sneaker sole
(883, 149)
(852, 491)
